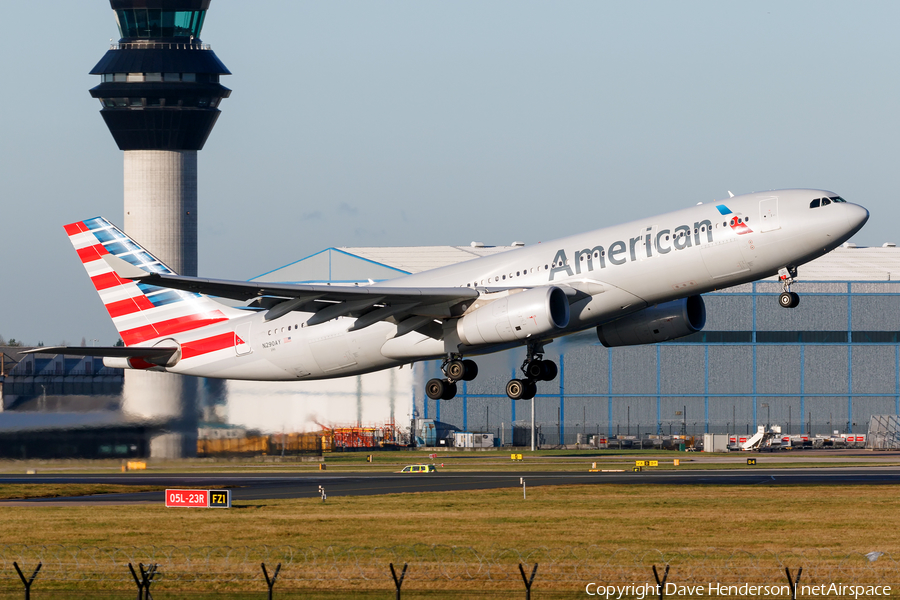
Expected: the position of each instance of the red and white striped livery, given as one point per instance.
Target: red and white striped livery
(146, 315)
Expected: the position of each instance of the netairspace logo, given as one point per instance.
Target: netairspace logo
(745, 590)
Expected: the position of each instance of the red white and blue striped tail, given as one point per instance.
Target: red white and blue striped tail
(142, 313)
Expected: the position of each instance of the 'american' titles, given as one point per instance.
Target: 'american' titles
(619, 252)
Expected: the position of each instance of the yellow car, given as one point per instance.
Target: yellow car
(419, 469)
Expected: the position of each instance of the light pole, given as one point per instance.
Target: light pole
(532, 424)
(766, 406)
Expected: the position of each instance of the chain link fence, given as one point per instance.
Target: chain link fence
(429, 566)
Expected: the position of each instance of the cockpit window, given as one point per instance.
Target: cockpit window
(837, 199)
(825, 201)
(815, 203)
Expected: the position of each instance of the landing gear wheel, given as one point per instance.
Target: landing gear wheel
(550, 370)
(455, 370)
(471, 370)
(534, 369)
(530, 390)
(449, 390)
(789, 299)
(785, 300)
(434, 389)
(461, 370)
(516, 389)
(540, 370)
(440, 389)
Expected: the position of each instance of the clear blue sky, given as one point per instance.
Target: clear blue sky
(406, 123)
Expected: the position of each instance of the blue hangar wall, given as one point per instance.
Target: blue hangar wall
(827, 365)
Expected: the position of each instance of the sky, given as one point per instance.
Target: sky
(371, 123)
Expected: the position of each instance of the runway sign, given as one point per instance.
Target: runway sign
(198, 498)
(220, 498)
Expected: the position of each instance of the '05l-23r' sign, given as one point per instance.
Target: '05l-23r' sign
(198, 498)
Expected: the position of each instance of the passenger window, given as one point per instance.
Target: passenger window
(825, 201)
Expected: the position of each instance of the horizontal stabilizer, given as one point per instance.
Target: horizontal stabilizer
(124, 269)
(156, 353)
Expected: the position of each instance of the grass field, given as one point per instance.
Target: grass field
(723, 529)
(754, 518)
(719, 524)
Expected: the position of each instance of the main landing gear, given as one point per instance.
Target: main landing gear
(456, 369)
(788, 299)
(535, 369)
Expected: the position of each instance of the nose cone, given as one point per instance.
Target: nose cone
(856, 217)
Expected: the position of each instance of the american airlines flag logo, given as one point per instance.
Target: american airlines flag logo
(736, 221)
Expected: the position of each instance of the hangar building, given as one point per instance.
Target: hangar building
(827, 365)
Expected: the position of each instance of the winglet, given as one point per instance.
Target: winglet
(124, 269)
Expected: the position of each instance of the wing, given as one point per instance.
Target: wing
(369, 304)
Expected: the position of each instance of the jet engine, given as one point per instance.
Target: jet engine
(533, 312)
(658, 323)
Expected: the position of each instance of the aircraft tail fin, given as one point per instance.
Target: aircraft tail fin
(140, 312)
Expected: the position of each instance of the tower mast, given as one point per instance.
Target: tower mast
(160, 92)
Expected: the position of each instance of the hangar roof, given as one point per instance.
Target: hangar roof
(847, 263)
(376, 263)
(851, 263)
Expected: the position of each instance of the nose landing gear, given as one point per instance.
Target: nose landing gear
(456, 369)
(535, 369)
(788, 299)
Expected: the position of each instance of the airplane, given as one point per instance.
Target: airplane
(636, 283)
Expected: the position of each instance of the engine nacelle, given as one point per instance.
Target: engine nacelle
(533, 312)
(658, 323)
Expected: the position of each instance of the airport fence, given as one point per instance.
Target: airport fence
(433, 567)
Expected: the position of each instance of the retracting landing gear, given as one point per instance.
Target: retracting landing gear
(535, 369)
(788, 299)
(456, 369)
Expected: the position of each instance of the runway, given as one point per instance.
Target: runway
(257, 487)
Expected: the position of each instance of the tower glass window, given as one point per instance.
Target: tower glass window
(142, 23)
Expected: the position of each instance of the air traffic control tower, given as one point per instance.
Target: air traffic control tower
(160, 94)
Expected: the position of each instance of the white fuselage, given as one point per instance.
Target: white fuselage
(617, 270)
